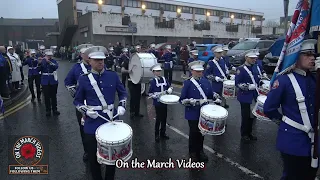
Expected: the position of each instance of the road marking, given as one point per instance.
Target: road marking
(221, 156)
(16, 108)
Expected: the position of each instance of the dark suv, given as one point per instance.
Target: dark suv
(237, 53)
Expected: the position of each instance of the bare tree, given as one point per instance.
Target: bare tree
(270, 23)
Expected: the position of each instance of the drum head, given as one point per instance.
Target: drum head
(214, 111)
(139, 62)
(262, 98)
(169, 98)
(114, 132)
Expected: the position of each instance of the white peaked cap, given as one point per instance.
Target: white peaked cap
(152, 45)
(96, 52)
(125, 49)
(195, 52)
(32, 51)
(156, 67)
(9, 47)
(196, 65)
(84, 46)
(111, 48)
(225, 48)
(308, 45)
(82, 50)
(217, 49)
(42, 47)
(138, 47)
(251, 54)
(48, 52)
(168, 46)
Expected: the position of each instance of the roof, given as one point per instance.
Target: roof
(27, 22)
(206, 6)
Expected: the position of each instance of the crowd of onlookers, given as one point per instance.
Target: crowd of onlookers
(11, 73)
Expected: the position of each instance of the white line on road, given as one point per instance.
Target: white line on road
(219, 155)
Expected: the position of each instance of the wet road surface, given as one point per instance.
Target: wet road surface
(229, 159)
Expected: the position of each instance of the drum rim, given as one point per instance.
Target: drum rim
(128, 138)
(210, 118)
(214, 134)
(171, 102)
(112, 162)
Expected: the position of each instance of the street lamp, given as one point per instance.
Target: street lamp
(179, 10)
(143, 6)
(232, 16)
(253, 18)
(100, 2)
(208, 13)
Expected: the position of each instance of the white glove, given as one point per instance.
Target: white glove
(171, 64)
(193, 101)
(216, 95)
(234, 68)
(218, 101)
(202, 101)
(317, 63)
(218, 79)
(169, 91)
(232, 77)
(72, 90)
(185, 102)
(121, 110)
(154, 96)
(265, 75)
(91, 113)
(252, 87)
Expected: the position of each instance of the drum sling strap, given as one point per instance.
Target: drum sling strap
(259, 70)
(104, 104)
(84, 69)
(199, 88)
(251, 76)
(306, 127)
(219, 68)
(161, 84)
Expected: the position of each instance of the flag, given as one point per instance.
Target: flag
(315, 18)
(294, 38)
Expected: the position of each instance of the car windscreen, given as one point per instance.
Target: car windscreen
(201, 48)
(246, 45)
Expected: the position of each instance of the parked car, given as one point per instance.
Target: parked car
(205, 52)
(237, 53)
(270, 60)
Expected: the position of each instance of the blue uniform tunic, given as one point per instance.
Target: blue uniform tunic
(47, 70)
(153, 89)
(75, 73)
(33, 66)
(213, 71)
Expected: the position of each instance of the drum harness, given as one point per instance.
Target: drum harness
(219, 68)
(306, 126)
(85, 71)
(105, 107)
(160, 85)
(251, 76)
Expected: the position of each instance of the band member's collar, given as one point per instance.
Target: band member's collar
(216, 59)
(300, 71)
(247, 64)
(84, 62)
(96, 72)
(196, 78)
(157, 77)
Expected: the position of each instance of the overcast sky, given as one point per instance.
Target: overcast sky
(272, 9)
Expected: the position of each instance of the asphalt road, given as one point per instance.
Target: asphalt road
(229, 159)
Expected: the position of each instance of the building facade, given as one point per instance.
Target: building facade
(29, 33)
(134, 21)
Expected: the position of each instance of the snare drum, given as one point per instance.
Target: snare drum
(169, 99)
(212, 119)
(114, 141)
(229, 89)
(258, 108)
(264, 88)
(140, 63)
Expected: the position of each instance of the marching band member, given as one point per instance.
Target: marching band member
(216, 72)
(153, 50)
(125, 64)
(136, 49)
(158, 87)
(70, 82)
(295, 93)
(225, 49)
(41, 53)
(193, 57)
(259, 68)
(168, 63)
(98, 88)
(195, 93)
(246, 80)
(49, 82)
(110, 59)
(33, 74)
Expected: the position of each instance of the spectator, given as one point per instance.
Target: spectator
(118, 49)
(184, 58)
(8, 71)
(20, 54)
(16, 64)
(177, 50)
(3, 74)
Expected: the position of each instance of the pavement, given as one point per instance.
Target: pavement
(229, 159)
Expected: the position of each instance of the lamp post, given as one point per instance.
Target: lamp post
(178, 13)
(143, 8)
(231, 18)
(100, 2)
(208, 15)
(250, 23)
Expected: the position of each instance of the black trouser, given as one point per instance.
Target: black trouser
(168, 75)
(95, 168)
(22, 75)
(79, 116)
(50, 96)
(195, 137)
(124, 78)
(246, 120)
(135, 96)
(3, 86)
(37, 79)
(298, 168)
(161, 118)
(184, 66)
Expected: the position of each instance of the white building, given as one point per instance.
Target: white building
(104, 21)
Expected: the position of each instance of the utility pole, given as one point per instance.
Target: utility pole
(286, 19)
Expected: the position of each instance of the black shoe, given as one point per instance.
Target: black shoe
(164, 136)
(55, 112)
(48, 113)
(32, 99)
(194, 157)
(253, 138)
(85, 157)
(203, 157)
(39, 99)
(157, 139)
(131, 116)
(245, 138)
(138, 115)
(226, 106)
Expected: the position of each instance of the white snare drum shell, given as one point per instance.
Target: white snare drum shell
(113, 133)
(214, 112)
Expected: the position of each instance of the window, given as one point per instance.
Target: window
(261, 45)
(125, 2)
(215, 13)
(237, 16)
(246, 45)
(167, 7)
(187, 10)
(118, 3)
(199, 11)
(268, 44)
(155, 6)
(135, 4)
(129, 3)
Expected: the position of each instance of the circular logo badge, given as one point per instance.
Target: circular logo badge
(28, 150)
